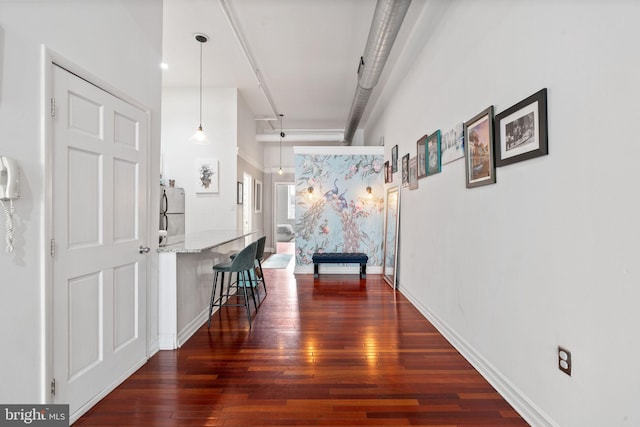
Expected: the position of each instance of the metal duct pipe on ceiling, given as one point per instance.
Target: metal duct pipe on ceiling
(386, 23)
(296, 136)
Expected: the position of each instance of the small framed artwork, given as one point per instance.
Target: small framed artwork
(394, 159)
(390, 173)
(434, 164)
(452, 144)
(240, 193)
(421, 147)
(413, 173)
(405, 170)
(386, 172)
(257, 194)
(521, 130)
(206, 172)
(480, 168)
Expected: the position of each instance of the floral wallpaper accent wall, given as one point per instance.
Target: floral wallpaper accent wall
(339, 216)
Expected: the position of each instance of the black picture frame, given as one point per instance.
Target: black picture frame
(394, 158)
(421, 150)
(480, 167)
(240, 193)
(521, 130)
(405, 170)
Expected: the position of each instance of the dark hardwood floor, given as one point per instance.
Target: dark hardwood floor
(335, 351)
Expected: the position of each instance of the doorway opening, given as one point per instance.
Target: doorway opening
(247, 198)
(285, 217)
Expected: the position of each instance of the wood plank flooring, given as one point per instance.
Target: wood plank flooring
(336, 351)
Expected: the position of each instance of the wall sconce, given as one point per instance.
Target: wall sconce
(310, 192)
(369, 193)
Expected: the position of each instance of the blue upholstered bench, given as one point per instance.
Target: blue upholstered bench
(340, 258)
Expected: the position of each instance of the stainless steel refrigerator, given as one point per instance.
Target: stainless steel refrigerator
(172, 214)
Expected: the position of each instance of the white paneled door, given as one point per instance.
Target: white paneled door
(99, 228)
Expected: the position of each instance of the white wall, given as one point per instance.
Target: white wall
(248, 148)
(180, 116)
(96, 36)
(250, 160)
(549, 255)
(272, 152)
(272, 156)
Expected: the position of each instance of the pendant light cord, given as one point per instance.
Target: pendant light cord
(199, 137)
(280, 141)
(201, 85)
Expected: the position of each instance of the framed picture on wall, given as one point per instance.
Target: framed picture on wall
(390, 173)
(206, 174)
(386, 172)
(521, 130)
(405, 170)
(421, 148)
(240, 193)
(394, 159)
(452, 144)
(480, 168)
(413, 173)
(257, 194)
(434, 164)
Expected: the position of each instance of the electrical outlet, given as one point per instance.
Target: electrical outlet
(564, 360)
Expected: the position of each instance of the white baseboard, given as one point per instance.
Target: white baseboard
(98, 397)
(520, 402)
(193, 326)
(167, 342)
(153, 346)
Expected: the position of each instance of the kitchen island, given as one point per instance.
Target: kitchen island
(186, 278)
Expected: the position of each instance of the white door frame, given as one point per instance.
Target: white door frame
(247, 202)
(48, 58)
(274, 216)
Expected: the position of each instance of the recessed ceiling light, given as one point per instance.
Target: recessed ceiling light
(164, 65)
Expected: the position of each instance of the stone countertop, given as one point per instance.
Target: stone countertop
(203, 240)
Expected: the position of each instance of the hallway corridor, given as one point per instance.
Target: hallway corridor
(334, 351)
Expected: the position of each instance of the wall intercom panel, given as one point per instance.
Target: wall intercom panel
(9, 179)
(9, 190)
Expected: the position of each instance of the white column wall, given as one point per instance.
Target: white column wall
(250, 159)
(549, 255)
(249, 149)
(180, 114)
(96, 36)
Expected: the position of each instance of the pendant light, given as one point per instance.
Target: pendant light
(280, 171)
(199, 136)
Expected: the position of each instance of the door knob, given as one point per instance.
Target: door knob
(143, 249)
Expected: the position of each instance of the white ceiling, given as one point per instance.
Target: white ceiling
(306, 53)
